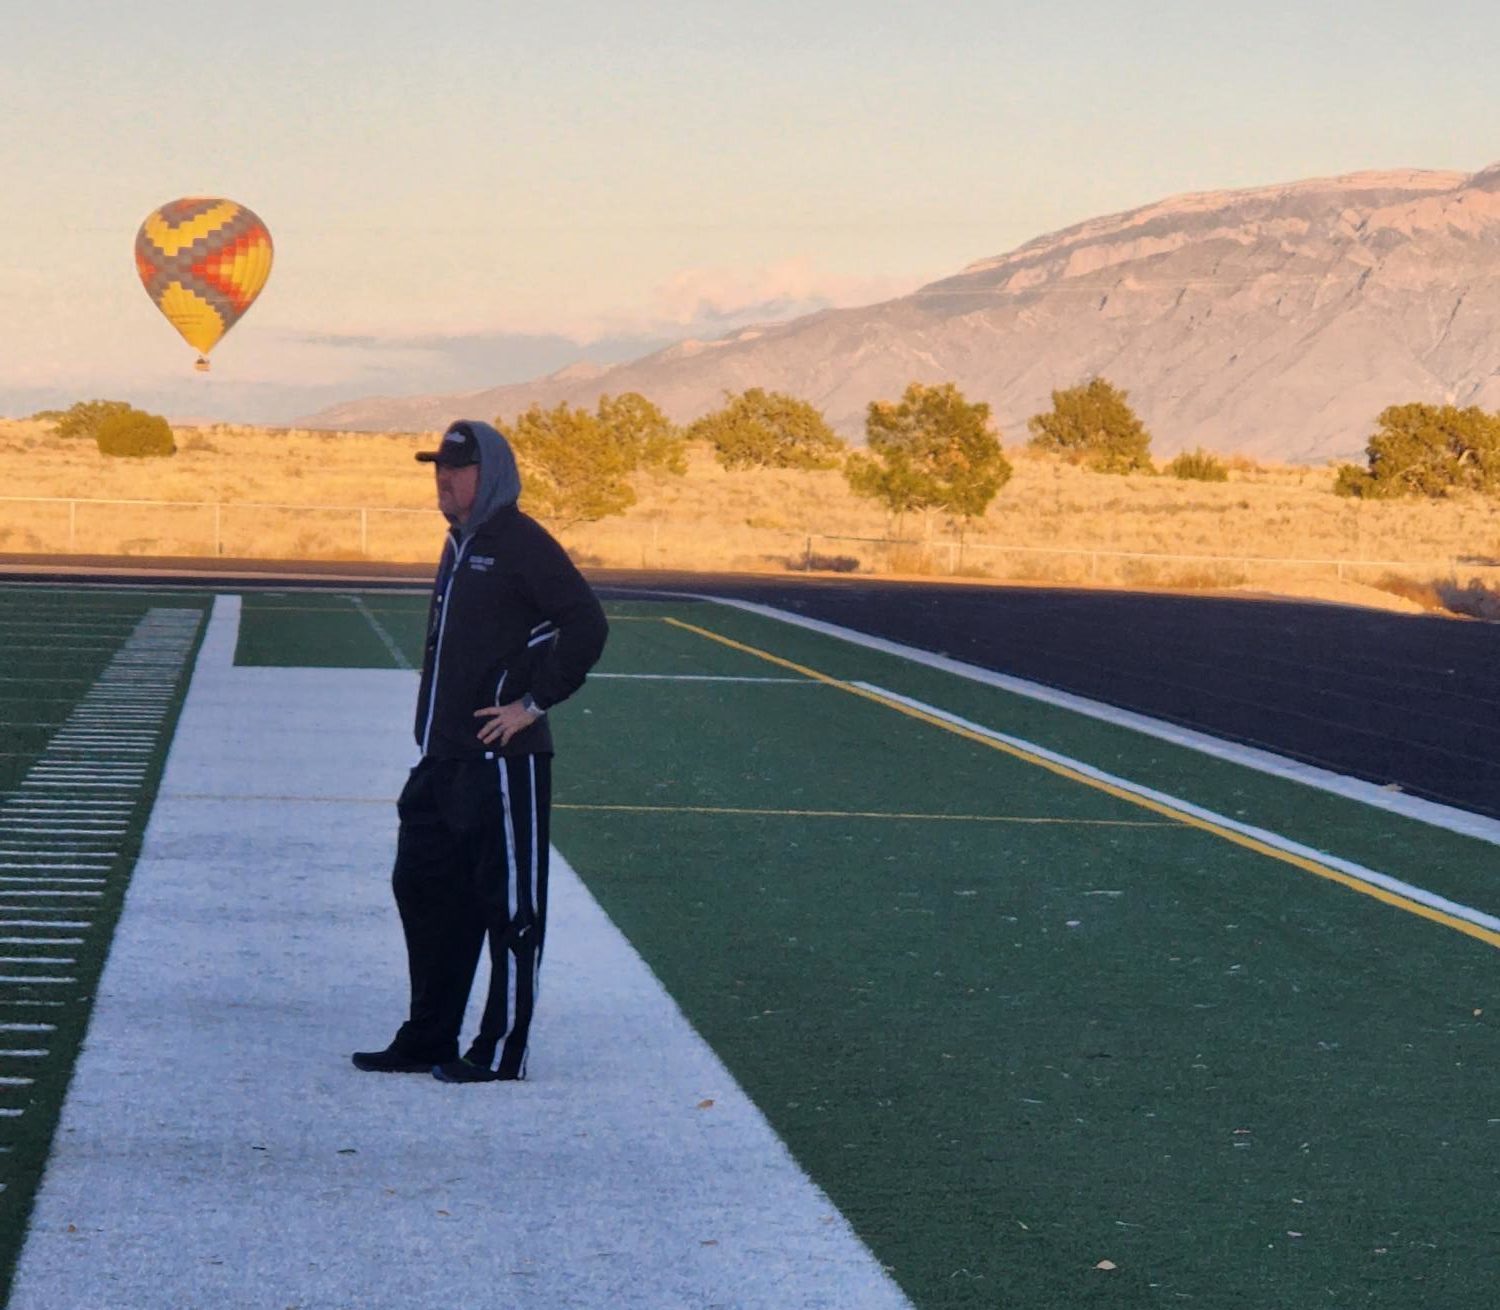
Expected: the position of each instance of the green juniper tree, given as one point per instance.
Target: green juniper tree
(1093, 425)
(768, 429)
(1426, 450)
(932, 449)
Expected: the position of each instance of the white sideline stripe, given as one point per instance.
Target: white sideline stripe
(28, 1027)
(1371, 876)
(598, 1182)
(1356, 789)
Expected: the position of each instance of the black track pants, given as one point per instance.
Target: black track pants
(471, 865)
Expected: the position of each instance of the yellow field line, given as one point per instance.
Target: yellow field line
(1144, 802)
(858, 814)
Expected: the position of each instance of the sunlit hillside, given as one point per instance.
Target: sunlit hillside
(246, 492)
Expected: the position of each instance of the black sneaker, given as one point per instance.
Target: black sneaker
(464, 1071)
(390, 1060)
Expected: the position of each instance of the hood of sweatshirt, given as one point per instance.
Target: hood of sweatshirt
(499, 478)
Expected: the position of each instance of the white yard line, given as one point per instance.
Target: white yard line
(703, 677)
(216, 1139)
(393, 648)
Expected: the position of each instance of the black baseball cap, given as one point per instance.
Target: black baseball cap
(458, 449)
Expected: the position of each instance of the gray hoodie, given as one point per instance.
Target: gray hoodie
(499, 479)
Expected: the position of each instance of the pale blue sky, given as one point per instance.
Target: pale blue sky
(459, 191)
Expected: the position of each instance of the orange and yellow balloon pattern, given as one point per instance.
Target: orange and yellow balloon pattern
(203, 262)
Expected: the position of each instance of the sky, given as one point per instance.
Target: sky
(465, 194)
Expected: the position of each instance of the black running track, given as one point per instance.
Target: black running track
(1409, 700)
(1405, 700)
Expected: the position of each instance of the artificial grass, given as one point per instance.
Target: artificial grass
(67, 661)
(1011, 1051)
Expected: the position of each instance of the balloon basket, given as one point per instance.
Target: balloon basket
(201, 364)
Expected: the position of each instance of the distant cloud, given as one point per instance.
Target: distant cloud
(466, 361)
(702, 300)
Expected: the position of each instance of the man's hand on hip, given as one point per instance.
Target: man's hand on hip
(504, 721)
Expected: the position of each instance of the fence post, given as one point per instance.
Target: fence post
(72, 523)
(364, 532)
(807, 556)
(218, 536)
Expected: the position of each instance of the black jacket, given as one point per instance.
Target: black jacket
(510, 614)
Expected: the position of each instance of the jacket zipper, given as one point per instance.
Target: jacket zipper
(437, 650)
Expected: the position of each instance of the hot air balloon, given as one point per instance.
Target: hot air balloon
(203, 262)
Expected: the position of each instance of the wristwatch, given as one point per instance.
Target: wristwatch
(528, 703)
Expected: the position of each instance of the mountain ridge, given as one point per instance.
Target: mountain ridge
(1275, 321)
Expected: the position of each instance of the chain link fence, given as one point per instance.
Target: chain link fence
(254, 530)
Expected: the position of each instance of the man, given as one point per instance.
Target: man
(512, 629)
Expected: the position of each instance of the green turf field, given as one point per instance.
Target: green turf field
(90, 686)
(1018, 1021)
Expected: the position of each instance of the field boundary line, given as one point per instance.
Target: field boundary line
(1432, 813)
(1367, 882)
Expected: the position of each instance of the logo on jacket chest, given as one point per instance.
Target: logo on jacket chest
(481, 563)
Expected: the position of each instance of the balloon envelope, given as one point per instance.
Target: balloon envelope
(203, 262)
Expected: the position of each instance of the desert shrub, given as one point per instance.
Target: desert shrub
(81, 422)
(134, 434)
(1198, 466)
(822, 563)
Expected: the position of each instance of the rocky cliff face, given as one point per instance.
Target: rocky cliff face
(1276, 321)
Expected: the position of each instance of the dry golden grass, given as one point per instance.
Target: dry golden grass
(1053, 522)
